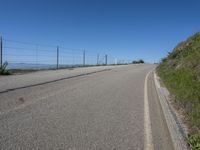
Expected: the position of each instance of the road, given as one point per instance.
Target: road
(95, 108)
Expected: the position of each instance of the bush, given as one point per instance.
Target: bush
(138, 61)
(194, 141)
(3, 70)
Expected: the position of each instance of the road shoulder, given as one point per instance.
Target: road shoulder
(160, 133)
(175, 126)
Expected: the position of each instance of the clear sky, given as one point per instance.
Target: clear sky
(126, 29)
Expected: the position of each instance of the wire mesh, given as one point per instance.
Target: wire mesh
(25, 55)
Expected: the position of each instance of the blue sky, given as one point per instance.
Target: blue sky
(125, 29)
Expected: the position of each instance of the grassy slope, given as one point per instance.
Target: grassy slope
(180, 72)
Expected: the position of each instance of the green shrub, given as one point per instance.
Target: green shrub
(194, 141)
(3, 70)
(138, 61)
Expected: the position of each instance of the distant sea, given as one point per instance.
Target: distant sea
(37, 66)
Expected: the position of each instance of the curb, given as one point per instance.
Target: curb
(176, 128)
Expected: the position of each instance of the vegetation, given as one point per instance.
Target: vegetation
(193, 141)
(180, 72)
(138, 61)
(3, 70)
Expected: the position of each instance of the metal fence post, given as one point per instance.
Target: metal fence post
(1, 47)
(83, 57)
(97, 59)
(106, 59)
(57, 57)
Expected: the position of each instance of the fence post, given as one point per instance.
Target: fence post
(57, 57)
(97, 59)
(83, 57)
(1, 47)
(106, 59)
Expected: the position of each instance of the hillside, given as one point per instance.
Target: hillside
(180, 72)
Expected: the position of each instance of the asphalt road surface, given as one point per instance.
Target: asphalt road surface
(95, 108)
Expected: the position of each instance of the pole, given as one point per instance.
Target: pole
(83, 57)
(106, 59)
(97, 59)
(1, 47)
(57, 57)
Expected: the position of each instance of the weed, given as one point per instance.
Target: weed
(194, 141)
(3, 70)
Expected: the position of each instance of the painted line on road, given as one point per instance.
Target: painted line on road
(148, 139)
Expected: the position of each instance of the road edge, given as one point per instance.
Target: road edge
(176, 129)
